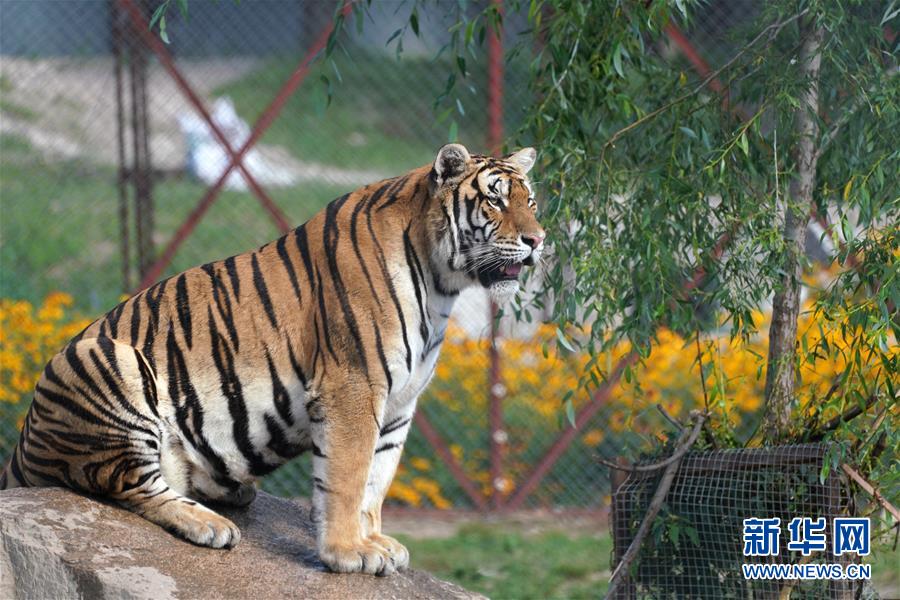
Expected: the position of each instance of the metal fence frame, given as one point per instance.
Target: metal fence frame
(715, 468)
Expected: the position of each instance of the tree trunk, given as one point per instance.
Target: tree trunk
(781, 369)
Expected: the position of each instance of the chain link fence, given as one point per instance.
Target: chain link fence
(108, 163)
(109, 156)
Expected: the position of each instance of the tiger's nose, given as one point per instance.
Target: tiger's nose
(533, 239)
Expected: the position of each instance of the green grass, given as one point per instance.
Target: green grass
(59, 228)
(501, 562)
(393, 130)
(11, 108)
(17, 110)
(12, 146)
(885, 571)
(57, 222)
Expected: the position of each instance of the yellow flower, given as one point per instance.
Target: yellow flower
(28, 339)
(404, 493)
(457, 452)
(422, 464)
(593, 437)
(59, 299)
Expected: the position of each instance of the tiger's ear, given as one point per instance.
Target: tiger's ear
(523, 159)
(452, 162)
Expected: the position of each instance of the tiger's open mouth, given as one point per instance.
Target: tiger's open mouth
(507, 272)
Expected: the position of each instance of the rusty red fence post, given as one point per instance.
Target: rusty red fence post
(562, 443)
(142, 27)
(496, 389)
(495, 86)
(453, 466)
(236, 157)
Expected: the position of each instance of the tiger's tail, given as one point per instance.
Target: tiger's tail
(8, 479)
(12, 476)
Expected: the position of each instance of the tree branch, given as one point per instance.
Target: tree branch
(662, 410)
(871, 490)
(832, 424)
(774, 28)
(685, 442)
(692, 438)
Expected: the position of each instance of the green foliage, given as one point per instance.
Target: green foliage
(652, 168)
(502, 562)
(652, 174)
(646, 168)
(159, 16)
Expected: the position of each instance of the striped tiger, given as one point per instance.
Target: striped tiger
(322, 340)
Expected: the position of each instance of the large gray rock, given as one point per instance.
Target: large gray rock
(57, 544)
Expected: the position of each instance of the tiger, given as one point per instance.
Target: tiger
(182, 396)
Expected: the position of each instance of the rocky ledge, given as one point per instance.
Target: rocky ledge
(58, 544)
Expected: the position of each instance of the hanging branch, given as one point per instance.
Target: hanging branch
(700, 366)
(851, 413)
(875, 428)
(668, 417)
(771, 31)
(845, 117)
(710, 436)
(811, 420)
(676, 456)
(685, 441)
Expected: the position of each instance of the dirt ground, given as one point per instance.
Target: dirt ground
(67, 106)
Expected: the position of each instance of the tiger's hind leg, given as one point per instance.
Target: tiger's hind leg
(183, 475)
(94, 426)
(180, 515)
(206, 489)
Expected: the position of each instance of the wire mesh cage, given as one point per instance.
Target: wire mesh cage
(696, 546)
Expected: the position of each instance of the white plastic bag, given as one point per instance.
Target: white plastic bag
(207, 158)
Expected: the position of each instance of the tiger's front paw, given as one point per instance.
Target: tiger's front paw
(398, 551)
(364, 557)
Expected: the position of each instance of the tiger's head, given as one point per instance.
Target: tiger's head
(488, 223)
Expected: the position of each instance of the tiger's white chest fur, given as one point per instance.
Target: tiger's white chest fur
(400, 404)
(426, 340)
